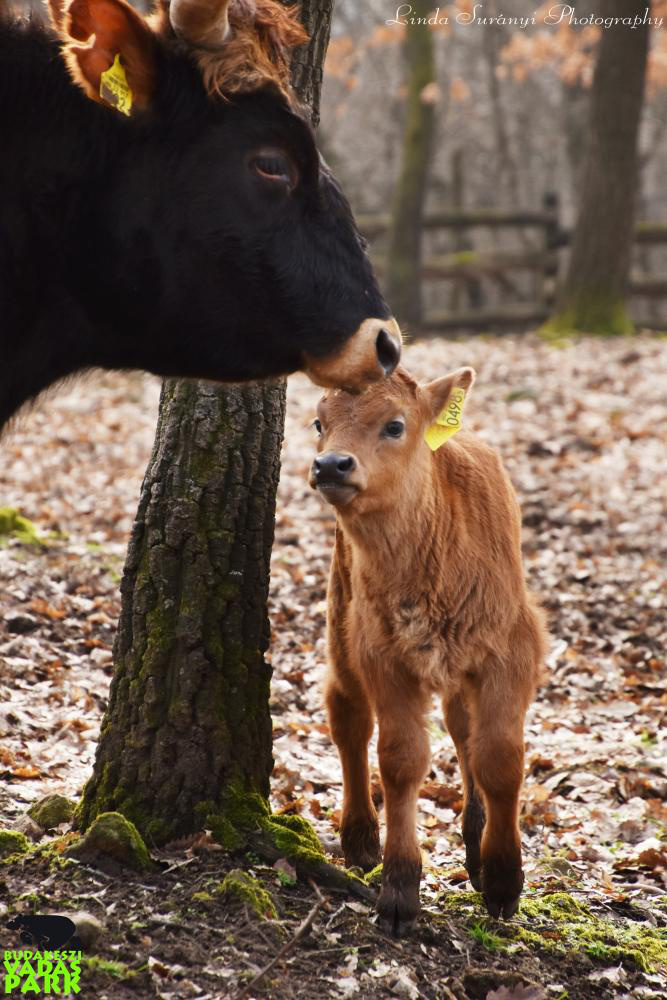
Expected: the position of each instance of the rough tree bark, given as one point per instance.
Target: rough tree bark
(188, 720)
(404, 257)
(593, 298)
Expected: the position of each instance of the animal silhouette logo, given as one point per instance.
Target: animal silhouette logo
(48, 932)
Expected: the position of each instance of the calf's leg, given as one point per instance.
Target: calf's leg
(497, 711)
(404, 755)
(457, 721)
(351, 724)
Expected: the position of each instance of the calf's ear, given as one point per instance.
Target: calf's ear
(115, 65)
(438, 392)
(56, 10)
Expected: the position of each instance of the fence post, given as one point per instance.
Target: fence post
(551, 241)
(460, 235)
(462, 240)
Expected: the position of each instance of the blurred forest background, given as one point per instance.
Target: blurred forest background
(511, 109)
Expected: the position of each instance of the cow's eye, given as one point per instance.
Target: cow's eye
(273, 166)
(317, 425)
(394, 429)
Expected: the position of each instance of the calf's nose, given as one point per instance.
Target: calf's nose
(333, 468)
(388, 350)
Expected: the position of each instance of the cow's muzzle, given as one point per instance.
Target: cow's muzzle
(372, 353)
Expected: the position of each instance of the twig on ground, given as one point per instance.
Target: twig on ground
(300, 932)
(335, 915)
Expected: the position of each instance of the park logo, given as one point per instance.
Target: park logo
(35, 972)
(54, 966)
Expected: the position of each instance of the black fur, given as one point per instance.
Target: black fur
(148, 243)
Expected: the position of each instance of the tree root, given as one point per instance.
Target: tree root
(320, 871)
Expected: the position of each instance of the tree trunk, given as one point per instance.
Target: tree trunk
(188, 719)
(404, 257)
(593, 298)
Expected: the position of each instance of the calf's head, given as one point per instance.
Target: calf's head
(372, 455)
(224, 247)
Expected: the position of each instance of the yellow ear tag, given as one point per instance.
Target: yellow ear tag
(114, 88)
(448, 422)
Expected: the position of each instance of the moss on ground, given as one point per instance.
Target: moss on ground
(52, 810)
(12, 842)
(374, 877)
(241, 886)
(112, 836)
(51, 851)
(202, 897)
(558, 923)
(14, 525)
(115, 970)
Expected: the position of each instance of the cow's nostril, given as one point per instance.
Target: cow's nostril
(346, 464)
(388, 351)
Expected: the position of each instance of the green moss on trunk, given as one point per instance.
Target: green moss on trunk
(246, 812)
(592, 315)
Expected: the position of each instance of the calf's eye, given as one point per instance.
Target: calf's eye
(317, 425)
(394, 429)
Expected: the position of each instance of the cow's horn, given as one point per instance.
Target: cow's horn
(200, 22)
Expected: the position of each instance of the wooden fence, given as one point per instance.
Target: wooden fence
(541, 260)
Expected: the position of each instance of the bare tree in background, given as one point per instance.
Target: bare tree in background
(188, 716)
(404, 258)
(593, 298)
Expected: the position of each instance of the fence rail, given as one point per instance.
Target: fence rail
(467, 268)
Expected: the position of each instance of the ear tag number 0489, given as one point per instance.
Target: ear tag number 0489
(114, 88)
(448, 422)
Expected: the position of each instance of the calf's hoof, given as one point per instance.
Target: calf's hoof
(501, 887)
(475, 879)
(361, 845)
(398, 903)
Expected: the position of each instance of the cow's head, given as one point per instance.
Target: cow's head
(372, 453)
(224, 248)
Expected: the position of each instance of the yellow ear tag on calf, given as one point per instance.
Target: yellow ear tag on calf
(448, 422)
(114, 88)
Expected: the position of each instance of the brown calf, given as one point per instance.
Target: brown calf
(426, 595)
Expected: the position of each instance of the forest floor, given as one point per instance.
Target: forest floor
(582, 428)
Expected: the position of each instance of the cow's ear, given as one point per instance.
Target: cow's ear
(438, 392)
(116, 65)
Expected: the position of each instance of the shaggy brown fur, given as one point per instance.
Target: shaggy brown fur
(257, 51)
(426, 596)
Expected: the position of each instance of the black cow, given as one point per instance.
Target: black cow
(163, 205)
